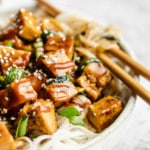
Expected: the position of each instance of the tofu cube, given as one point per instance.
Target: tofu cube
(103, 112)
(57, 63)
(21, 91)
(94, 79)
(61, 92)
(11, 57)
(29, 27)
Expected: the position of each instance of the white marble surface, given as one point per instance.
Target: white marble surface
(133, 18)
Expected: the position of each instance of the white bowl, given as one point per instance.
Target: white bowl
(110, 136)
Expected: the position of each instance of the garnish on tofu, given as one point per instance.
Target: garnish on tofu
(22, 126)
(72, 113)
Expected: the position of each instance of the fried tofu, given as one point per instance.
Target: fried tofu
(58, 42)
(9, 31)
(11, 57)
(6, 140)
(42, 117)
(21, 92)
(50, 24)
(4, 99)
(61, 92)
(57, 63)
(29, 28)
(103, 112)
(94, 79)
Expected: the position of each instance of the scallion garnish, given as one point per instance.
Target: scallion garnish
(9, 43)
(14, 74)
(38, 44)
(61, 79)
(85, 62)
(22, 126)
(69, 112)
(72, 113)
(76, 120)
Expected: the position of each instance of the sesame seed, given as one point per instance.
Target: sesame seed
(21, 31)
(4, 50)
(13, 118)
(6, 98)
(12, 52)
(20, 27)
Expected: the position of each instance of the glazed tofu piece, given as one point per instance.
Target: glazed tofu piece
(103, 112)
(57, 42)
(20, 92)
(9, 31)
(4, 99)
(57, 63)
(50, 24)
(61, 92)
(45, 117)
(6, 140)
(36, 79)
(11, 57)
(29, 28)
(42, 118)
(94, 79)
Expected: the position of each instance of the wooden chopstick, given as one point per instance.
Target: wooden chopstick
(125, 77)
(50, 9)
(138, 68)
(119, 72)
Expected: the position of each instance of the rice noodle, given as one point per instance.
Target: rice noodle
(67, 137)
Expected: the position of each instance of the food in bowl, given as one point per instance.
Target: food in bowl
(53, 88)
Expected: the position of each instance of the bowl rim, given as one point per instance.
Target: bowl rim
(129, 107)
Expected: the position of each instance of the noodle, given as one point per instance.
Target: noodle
(67, 137)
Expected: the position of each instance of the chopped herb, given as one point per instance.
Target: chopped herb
(76, 120)
(111, 37)
(1, 78)
(9, 43)
(72, 114)
(49, 33)
(61, 79)
(38, 44)
(22, 126)
(14, 74)
(38, 54)
(85, 62)
(69, 112)
(80, 89)
(1, 81)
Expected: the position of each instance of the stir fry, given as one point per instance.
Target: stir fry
(45, 74)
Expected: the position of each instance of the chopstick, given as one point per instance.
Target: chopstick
(118, 71)
(50, 9)
(138, 68)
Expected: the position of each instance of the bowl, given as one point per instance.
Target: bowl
(111, 134)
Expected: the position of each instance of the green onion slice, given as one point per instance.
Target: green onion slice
(76, 120)
(22, 126)
(14, 74)
(69, 112)
(85, 62)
